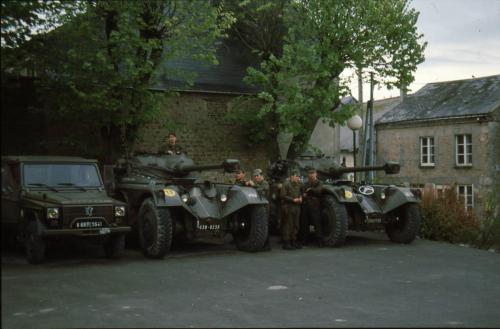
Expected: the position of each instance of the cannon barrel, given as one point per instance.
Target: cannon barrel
(337, 171)
(229, 165)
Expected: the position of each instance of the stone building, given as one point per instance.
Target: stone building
(448, 135)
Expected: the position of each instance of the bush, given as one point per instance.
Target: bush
(444, 218)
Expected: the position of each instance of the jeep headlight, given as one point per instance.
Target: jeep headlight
(119, 211)
(52, 213)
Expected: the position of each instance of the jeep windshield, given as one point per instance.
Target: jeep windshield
(72, 175)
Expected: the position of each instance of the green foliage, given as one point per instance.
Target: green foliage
(302, 82)
(98, 68)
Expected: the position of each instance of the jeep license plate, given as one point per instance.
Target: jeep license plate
(89, 224)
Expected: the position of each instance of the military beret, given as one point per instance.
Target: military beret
(311, 170)
(294, 172)
(257, 172)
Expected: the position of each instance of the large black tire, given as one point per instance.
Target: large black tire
(334, 221)
(114, 246)
(405, 223)
(35, 246)
(252, 235)
(155, 229)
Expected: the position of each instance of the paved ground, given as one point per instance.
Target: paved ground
(370, 282)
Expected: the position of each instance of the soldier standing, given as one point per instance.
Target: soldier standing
(312, 203)
(260, 184)
(171, 147)
(291, 196)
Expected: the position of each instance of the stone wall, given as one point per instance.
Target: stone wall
(202, 130)
(402, 143)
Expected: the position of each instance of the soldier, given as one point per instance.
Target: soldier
(239, 178)
(171, 147)
(260, 183)
(292, 198)
(312, 205)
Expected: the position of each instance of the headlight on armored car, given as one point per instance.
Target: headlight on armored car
(185, 198)
(119, 211)
(52, 213)
(223, 198)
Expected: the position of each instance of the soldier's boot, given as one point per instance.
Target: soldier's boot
(287, 246)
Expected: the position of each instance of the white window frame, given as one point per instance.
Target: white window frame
(440, 190)
(466, 195)
(467, 150)
(429, 147)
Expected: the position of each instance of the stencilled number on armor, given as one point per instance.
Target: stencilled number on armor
(211, 227)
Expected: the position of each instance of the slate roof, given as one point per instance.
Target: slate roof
(441, 100)
(226, 77)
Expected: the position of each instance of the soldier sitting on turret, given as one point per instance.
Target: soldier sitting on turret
(171, 148)
(239, 178)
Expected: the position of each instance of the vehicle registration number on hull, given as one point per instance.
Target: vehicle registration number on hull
(208, 227)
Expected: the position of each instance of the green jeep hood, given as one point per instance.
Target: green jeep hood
(65, 197)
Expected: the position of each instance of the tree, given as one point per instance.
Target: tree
(98, 68)
(325, 38)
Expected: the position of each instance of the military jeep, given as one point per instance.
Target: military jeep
(54, 197)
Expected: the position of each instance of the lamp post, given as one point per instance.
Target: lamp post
(354, 123)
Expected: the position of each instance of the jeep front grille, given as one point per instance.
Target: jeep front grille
(71, 213)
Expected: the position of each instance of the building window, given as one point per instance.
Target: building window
(427, 151)
(466, 193)
(441, 190)
(463, 150)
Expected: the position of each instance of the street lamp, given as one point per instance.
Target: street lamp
(354, 123)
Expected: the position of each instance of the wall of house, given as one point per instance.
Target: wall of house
(202, 130)
(402, 143)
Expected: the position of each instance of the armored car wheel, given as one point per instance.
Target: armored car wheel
(404, 223)
(252, 230)
(155, 229)
(35, 246)
(114, 246)
(334, 220)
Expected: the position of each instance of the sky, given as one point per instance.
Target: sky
(463, 41)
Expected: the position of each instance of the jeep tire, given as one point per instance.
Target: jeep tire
(114, 246)
(155, 229)
(405, 223)
(334, 221)
(35, 246)
(252, 232)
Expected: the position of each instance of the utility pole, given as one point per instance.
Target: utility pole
(368, 140)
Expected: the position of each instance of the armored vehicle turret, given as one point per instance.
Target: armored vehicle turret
(348, 205)
(169, 203)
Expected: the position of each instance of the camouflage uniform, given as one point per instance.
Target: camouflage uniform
(312, 210)
(290, 212)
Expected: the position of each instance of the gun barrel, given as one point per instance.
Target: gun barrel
(389, 168)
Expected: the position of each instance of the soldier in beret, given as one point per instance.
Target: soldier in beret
(312, 206)
(171, 148)
(291, 196)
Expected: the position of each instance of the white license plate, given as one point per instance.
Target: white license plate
(104, 230)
